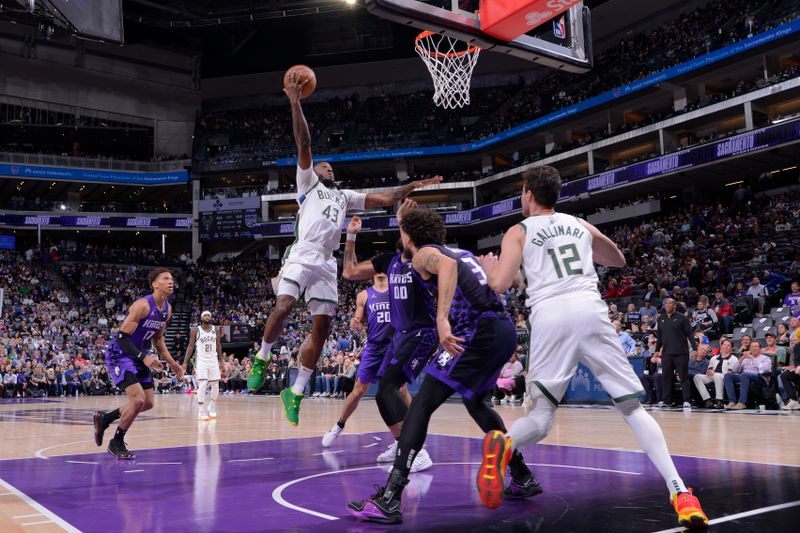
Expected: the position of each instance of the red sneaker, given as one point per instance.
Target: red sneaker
(496, 454)
(690, 514)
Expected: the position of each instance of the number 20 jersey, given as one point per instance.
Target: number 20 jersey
(557, 258)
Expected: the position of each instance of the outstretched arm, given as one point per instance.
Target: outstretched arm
(503, 271)
(604, 251)
(302, 137)
(394, 195)
(431, 262)
(351, 268)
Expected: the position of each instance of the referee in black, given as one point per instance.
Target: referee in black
(674, 338)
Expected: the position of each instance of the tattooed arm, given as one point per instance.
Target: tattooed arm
(431, 262)
(394, 195)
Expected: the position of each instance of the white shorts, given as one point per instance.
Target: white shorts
(575, 329)
(207, 370)
(310, 271)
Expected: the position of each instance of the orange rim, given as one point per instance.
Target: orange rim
(470, 50)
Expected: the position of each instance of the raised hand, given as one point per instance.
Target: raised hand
(355, 225)
(424, 183)
(488, 262)
(407, 206)
(294, 87)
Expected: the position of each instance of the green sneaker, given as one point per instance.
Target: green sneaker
(291, 405)
(256, 377)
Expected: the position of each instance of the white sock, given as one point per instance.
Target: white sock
(535, 426)
(201, 391)
(303, 375)
(265, 351)
(651, 440)
(214, 391)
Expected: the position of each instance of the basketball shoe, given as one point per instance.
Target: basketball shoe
(256, 377)
(496, 454)
(383, 507)
(331, 435)
(291, 405)
(690, 514)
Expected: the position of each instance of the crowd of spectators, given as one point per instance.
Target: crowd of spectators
(19, 202)
(389, 121)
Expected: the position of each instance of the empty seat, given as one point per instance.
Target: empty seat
(761, 322)
(738, 333)
(762, 331)
(780, 314)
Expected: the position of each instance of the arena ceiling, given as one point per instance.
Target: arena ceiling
(248, 36)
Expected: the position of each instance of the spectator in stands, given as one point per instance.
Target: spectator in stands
(772, 349)
(651, 379)
(674, 338)
(347, 377)
(10, 383)
(507, 380)
(698, 364)
(325, 378)
(759, 294)
(719, 366)
(632, 316)
(724, 312)
(625, 340)
(792, 299)
(783, 335)
(744, 346)
(706, 319)
(748, 376)
(648, 310)
(790, 380)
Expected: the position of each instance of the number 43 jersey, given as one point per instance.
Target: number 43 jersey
(557, 258)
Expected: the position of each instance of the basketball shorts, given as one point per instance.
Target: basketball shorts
(575, 329)
(125, 370)
(207, 370)
(311, 270)
(372, 357)
(488, 345)
(410, 351)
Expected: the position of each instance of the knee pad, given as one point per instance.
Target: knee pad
(628, 407)
(390, 404)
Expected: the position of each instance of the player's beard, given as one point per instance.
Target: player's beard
(206, 322)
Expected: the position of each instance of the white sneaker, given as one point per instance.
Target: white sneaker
(325, 394)
(421, 462)
(494, 399)
(388, 454)
(316, 394)
(513, 399)
(212, 410)
(793, 405)
(330, 436)
(661, 405)
(202, 415)
(503, 400)
(687, 405)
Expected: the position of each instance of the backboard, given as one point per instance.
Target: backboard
(562, 41)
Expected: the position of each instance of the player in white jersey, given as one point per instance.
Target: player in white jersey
(208, 366)
(309, 266)
(557, 253)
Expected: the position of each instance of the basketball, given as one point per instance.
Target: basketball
(303, 73)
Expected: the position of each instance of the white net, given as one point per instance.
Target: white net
(450, 63)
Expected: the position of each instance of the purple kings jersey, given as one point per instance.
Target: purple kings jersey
(412, 303)
(147, 328)
(379, 325)
(473, 296)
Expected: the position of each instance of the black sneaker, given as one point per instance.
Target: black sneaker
(710, 404)
(526, 487)
(376, 509)
(100, 426)
(119, 449)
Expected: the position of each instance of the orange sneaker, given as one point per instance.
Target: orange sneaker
(496, 454)
(690, 514)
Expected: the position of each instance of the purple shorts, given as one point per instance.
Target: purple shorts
(371, 360)
(411, 351)
(119, 363)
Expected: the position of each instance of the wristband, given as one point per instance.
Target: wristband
(351, 237)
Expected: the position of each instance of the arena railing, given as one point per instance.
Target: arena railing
(88, 162)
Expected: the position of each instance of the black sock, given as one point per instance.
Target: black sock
(119, 436)
(340, 423)
(518, 466)
(111, 416)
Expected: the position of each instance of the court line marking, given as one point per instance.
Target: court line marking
(745, 514)
(254, 459)
(326, 452)
(371, 445)
(37, 523)
(83, 462)
(138, 463)
(376, 438)
(66, 526)
(130, 471)
(277, 494)
(26, 515)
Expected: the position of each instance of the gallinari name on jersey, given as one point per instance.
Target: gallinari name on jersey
(556, 231)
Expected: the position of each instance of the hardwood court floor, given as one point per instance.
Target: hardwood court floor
(251, 471)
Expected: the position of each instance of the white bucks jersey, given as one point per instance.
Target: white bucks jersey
(206, 345)
(557, 258)
(322, 211)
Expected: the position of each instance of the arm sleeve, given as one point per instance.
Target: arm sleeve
(355, 200)
(124, 341)
(306, 179)
(381, 262)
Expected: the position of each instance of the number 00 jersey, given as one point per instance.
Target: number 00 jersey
(206, 345)
(557, 257)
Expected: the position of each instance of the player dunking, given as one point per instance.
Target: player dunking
(412, 310)
(474, 349)
(129, 362)
(557, 253)
(208, 367)
(309, 266)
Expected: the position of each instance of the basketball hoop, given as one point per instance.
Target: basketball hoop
(450, 65)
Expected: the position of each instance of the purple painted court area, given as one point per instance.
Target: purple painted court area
(232, 487)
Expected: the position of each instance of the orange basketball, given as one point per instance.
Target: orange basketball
(303, 73)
